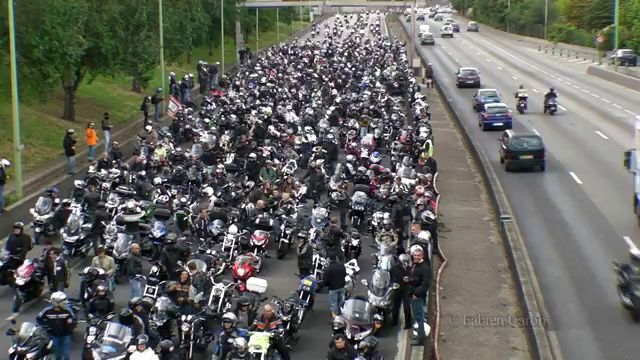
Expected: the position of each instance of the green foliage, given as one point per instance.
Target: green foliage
(68, 42)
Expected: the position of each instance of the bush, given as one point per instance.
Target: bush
(568, 33)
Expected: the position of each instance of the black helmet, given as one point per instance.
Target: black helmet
(552, 89)
(339, 324)
(166, 346)
(243, 301)
(101, 205)
(92, 273)
(134, 302)
(171, 239)
(367, 346)
(142, 339)
(125, 317)
(172, 311)
(521, 86)
(147, 304)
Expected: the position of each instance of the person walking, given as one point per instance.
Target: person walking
(145, 110)
(106, 129)
(69, 145)
(429, 75)
(334, 280)
(134, 267)
(4, 164)
(60, 321)
(419, 280)
(401, 297)
(92, 140)
(106, 263)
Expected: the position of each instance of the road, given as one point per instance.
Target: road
(314, 335)
(575, 215)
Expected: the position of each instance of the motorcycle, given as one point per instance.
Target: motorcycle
(243, 269)
(119, 251)
(159, 231)
(42, 217)
(113, 344)
(95, 329)
(220, 297)
(260, 346)
(358, 315)
(552, 106)
(287, 229)
(8, 265)
(230, 244)
(353, 270)
(191, 333)
(521, 104)
(385, 258)
(28, 282)
(75, 236)
(30, 342)
(307, 292)
(629, 297)
(379, 296)
(359, 204)
(287, 311)
(352, 245)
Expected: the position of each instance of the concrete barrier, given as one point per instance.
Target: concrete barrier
(627, 77)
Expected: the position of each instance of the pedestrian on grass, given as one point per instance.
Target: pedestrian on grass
(145, 110)
(106, 129)
(69, 145)
(156, 101)
(4, 164)
(92, 140)
(419, 280)
(242, 54)
(334, 280)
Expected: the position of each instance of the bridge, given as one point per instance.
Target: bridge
(328, 3)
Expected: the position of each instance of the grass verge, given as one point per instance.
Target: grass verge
(42, 128)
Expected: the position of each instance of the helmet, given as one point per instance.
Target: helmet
(78, 184)
(521, 86)
(351, 158)
(367, 346)
(171, 239)
(415, 248)
(339, 324)
(404, 259)
(18, 225)
(101, 289)
(148, 128)
(230, 318)
(253, 156)
(243, 301)
(142, 340)
(134, 302)
(240, 344)
(58, 298)
(233, 230)
(125, 317)
(166, 346)
(552, 89)
(424, 236)
(172, 311)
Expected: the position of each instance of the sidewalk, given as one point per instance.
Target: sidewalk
(479, 309)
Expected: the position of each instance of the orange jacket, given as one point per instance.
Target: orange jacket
(92, 137)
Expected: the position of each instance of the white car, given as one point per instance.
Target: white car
(446, 31)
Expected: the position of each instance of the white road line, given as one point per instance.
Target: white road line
(478, 53)
(562, 107)
(585, 91)
(618, 106)
(470, 48)
(488, 60)
(535, 90)
(602, 135)
(574, 60)
(499, 68)
(629, 242)
(458, 61)
(514, 78)
(584, 62)
(536, 131)
(607, 101)
(595, 96)
(577, 87)
(629, 112)
(553, 76)
(575, 177)
(568, 83)
(449, 53)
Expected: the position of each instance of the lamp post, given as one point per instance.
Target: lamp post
(278, 25)
(616, 34)
(257, 31)
(221, 70)
(161, 32)
(546, 17)
(15, 105)
(508, 21)
(413, 34)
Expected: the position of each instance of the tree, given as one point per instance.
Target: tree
(140, 52)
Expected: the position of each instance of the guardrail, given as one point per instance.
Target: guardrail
(617, 77)
(571, 54)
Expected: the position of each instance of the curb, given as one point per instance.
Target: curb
(620, 77)
(542, 340)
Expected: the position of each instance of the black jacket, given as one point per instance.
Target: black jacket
(55, 320)
(18, 245)
(101, 305)
(134, 265)
(115, 155)
(346, 353)
(3, 177)
(105, 125)
(420, 276)
(398, 272)
(68, 144)
(334, 276)
(332, 150)
(432, 164)
(305, 257)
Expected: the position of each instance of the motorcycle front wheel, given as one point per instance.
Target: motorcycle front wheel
(282, 251)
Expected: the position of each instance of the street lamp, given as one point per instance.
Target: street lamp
(616, 36)
(15, 105)
(221, 70)
(161, 33)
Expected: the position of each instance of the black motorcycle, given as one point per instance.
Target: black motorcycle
(112, 343)
(30, 342)
(95, 330)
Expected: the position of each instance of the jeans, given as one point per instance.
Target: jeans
(418, 315)
(363, 131)
(71, 163)
(62, 347)
(336, 297)
(332, 167)
(158, 111)
(343, 216)
(92, 152)
(136, 289)
(107, 140)
(1, 198)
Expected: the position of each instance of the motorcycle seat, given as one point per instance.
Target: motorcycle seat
(144, 227)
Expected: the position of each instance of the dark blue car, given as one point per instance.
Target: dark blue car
(495, 116)
(485, 96)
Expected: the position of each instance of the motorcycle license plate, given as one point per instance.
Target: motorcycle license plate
(38, 230)
(469, 81)
(308, 282)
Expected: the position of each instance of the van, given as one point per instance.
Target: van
(424, 29)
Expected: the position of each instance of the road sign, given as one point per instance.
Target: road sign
(600, 39)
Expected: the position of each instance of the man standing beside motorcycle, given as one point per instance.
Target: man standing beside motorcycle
(59, 278)
(134, 267)
(201, 225)
(401, 296)
(18, 244)
(269, 322)
(106, 263)
(59, 320)
(334, 279)
(316, 182)
(305, 257)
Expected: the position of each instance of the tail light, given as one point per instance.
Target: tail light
(544, 155)
(508, 115)
(506, 156)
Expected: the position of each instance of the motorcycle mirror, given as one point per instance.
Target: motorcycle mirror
(11, 332)
(364, 282)
(13, 321)
(396, 286)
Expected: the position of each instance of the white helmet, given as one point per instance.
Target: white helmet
(58, 298)
(424, 236)
(208, 191)
(78, 183)
(157, 180)
(131, 205)
(5, 162)
(233, 230)
(415, 249)
(148, 128)
(230, 317)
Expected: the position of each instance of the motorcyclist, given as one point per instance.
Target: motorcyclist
(368, 349)
(127, 318)
(244, 314)
(59, 320)
(239, 352)
(340, 349)
(229, 332)
(551, 94)
(387, 235)
(101, 304)
(78, 192)
(18, 244)
(269, 322)
(99, 225)
(91, 199)
(305, 256)
(361, 177)
(627, 271)
(170, 256)
(61, 215)
(143, 351)
(166, 351)
(521, 93)
(141, 307)
(201, 225)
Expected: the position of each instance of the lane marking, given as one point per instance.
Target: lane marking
(577, 87)
(618, 106)
(568, 83)
(595, 96)
(575, 177)
(562, 107)
(536, 131)
(584, 62)
(607, 101)
(487, 60)
(602, 135)
(458, 61)
(449, 53)
(629, 242)
(535, 90)
(629, 112)
(574, 60)
(553, 76)
(585, 91)
(514, 78)
(499, 68)
(477, 53)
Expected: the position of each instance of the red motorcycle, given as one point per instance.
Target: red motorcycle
(244, 268)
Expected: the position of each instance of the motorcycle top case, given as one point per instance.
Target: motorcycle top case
(162, 213)
(257, 285)
(361, 187)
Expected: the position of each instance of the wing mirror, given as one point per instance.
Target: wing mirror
(364, 282)
(396, 286)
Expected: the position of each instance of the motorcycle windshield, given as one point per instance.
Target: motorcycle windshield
(159, 228)
(359, 197)
(144, 152)
(196, 150)
(193, 173)
(407, 173)
(24, 335)
(161, 306)
(380, 282)
(113, 198)
(200, 265)
(242, 260)
(73, 224)
(116, 338)
(44, 205)
(357, 312)
(210, 139)
(122, 243)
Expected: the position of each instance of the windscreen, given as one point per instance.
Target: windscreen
(468, 72)
(357, 311)
(200, 265)
(497, 110)
(526, 143)
(26, 330)
(380, 282)
(44, 205)
(242, 260)
(489, 93)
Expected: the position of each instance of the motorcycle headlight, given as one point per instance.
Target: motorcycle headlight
(32, 355)
(20, 281)
(157, 233)
(288, 231)
(286, 318)
(355, 242)
(361, 335)
(185, 327)
(91, 339)
(241, 272)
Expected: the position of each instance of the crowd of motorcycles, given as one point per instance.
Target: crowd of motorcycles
(350, 90)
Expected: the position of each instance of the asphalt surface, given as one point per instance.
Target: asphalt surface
(314, 334)
(574, 217)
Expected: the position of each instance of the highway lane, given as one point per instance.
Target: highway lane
(565, 223)
(314, 335)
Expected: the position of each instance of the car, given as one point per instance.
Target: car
(473, 26)
(446, 31)
(483, 97)
(524, 150)
(626, 57)
(448, 21)
(420, 16)
(456, 27)
(427, 39)
(438, 17)
(432, 15)
(495, 116)
(468, 77)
